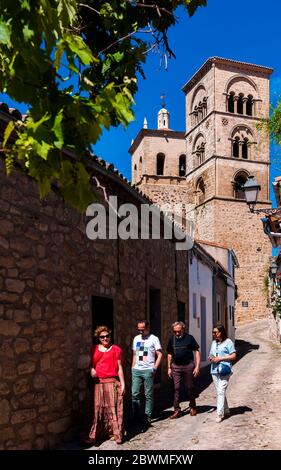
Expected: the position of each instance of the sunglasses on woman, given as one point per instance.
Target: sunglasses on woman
(104, 336)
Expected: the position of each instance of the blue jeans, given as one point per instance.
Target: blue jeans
(145, 378)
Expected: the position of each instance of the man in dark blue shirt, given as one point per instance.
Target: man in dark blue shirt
(181, 366)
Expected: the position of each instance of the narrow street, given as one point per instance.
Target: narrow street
(254, 400)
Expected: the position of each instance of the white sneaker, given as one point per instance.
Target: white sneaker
(219, 419)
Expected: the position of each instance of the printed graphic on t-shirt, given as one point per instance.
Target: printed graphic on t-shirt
(145, 350)
(141, 352)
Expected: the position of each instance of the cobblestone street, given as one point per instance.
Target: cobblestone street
(254, 400)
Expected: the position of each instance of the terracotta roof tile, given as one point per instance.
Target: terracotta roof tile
(219, 245)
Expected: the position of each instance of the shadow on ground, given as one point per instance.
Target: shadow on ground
(164, 400)
(164, 397)
(239, 410)
(244, 347)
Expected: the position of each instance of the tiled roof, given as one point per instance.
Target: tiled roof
(220, 60)
(110, 168)
(210, 258)
(155, 133)
(219, 245)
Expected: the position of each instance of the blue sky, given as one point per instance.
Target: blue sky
(246, 30)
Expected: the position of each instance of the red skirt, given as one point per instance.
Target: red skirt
(108, 411)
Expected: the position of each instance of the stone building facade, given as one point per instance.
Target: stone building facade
(225, 101)
(56, 286)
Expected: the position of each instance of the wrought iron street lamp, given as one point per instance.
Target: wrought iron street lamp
(251, 189)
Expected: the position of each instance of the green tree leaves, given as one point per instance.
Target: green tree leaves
(5, 32)
(76, 66)
(274, 123)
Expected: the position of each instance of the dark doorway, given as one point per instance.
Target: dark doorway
(225, 323)
(203, 316)
(181, 311)
(155, 320)
(102, 314)
(218, 312)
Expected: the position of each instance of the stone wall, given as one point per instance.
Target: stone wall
(227, 168)
(230, 223)
(162, 191)
(148, 149)
(49, 271)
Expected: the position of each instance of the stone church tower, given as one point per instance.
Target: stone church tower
(205, 167)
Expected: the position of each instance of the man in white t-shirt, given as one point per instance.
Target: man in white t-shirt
(147, 355)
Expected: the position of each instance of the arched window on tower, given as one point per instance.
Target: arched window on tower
(205, 108)
(241, 93)
(195, 115)
(249, 106)
(200, 191)
(239, 181)
(200, 112)
(203, 152)
(230, 103)
(242, 139)
(182, 165)
(140, 167)
(198, 104)
(240, 104)
(160, 164)
(200, 152)
(245, 148)
(235, 147)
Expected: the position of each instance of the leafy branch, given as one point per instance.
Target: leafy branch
(76, 66)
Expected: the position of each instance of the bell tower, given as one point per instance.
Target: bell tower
(225, 100)
(205, 167)
(163, 119)
(159, 161)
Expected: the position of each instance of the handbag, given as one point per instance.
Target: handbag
(224, 369)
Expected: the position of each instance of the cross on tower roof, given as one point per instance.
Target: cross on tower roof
(163, 96)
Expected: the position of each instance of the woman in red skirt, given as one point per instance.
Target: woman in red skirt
(109, 388)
